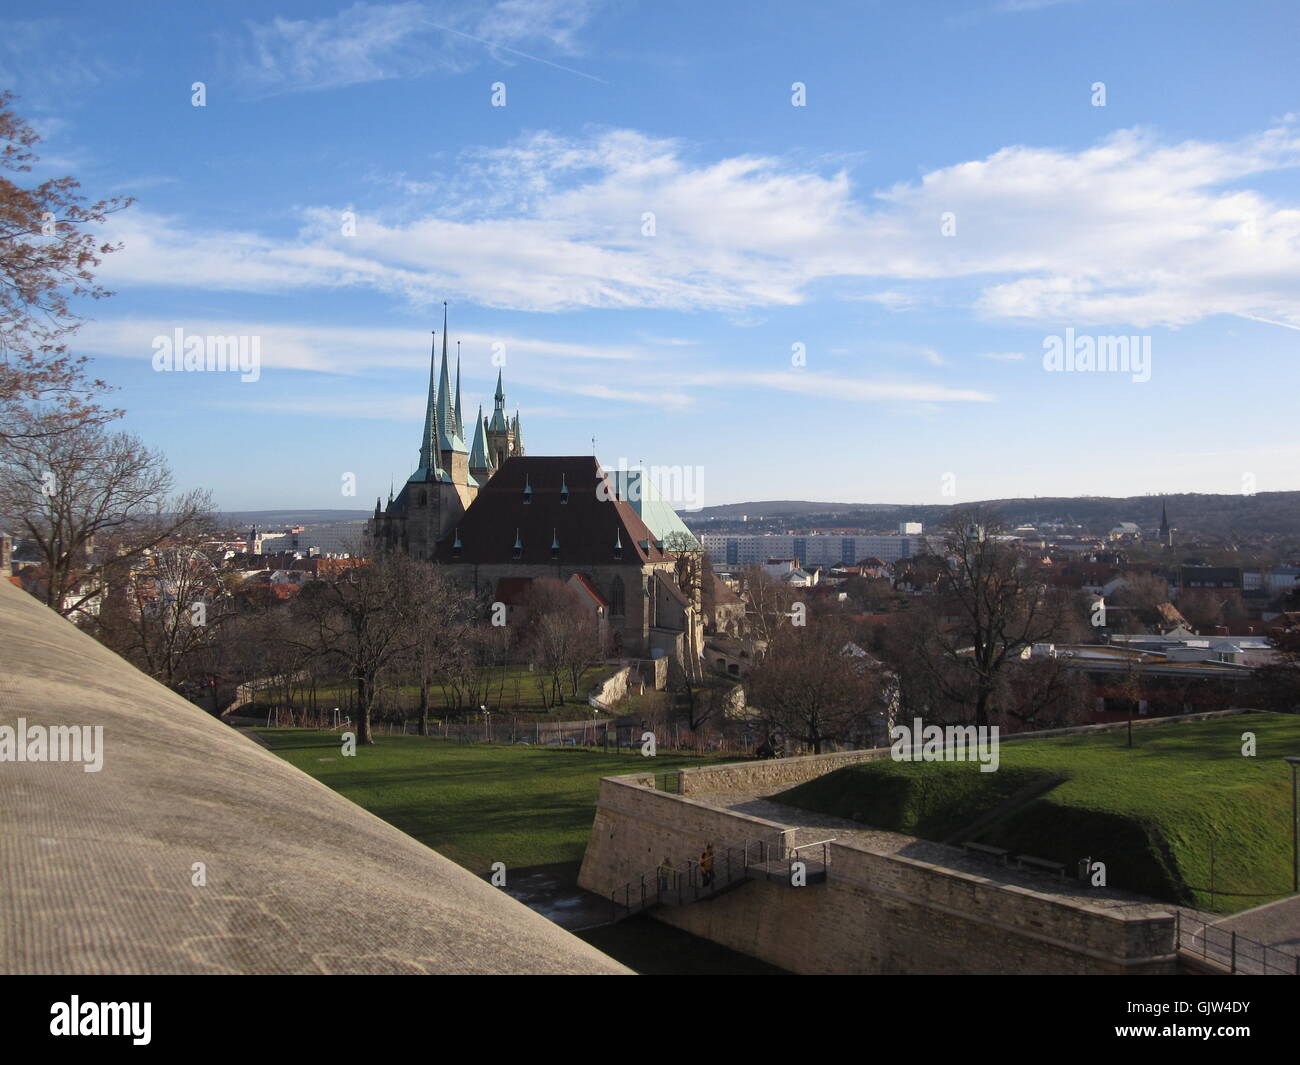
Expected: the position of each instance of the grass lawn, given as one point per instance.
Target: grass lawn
(1151, 813)
(524, 806)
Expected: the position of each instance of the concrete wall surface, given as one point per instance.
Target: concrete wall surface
(97, 869)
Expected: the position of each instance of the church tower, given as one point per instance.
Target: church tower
(504, 438)
(1166, 534)
(441, 488)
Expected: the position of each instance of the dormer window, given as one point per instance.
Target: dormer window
(564, 489)
(528, 490)
(555, 544)
(519, 546)
(456, 545)
(618, 545)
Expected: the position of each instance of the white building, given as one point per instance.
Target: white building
(727, 550)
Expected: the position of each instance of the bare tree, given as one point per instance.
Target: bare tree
(989, 609)
(767, 603)
(562, 638)
(439, 613)
(47, 259)
(95, 503)
(165, 612)
(811, 686)
(359, 619)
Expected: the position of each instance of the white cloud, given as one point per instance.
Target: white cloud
(1127, 231)
(1003, 356)
(379, 42)
(531, 365)
(346, 351)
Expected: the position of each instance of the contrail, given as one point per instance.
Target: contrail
(515, 51)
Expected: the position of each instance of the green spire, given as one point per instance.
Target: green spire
(478, 455)
(428, 439)
(460, 422)
(499, 409)
(448, 438)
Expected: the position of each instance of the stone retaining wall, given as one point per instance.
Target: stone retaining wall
(876, 913)
(771, 775)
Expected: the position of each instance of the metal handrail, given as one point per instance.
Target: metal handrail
(735, 859)
(1238, 950)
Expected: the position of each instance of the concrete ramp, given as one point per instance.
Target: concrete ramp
(97, 868)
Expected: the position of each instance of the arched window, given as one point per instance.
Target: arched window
(424, 499)
(616, 597)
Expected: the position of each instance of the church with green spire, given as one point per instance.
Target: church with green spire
(449, 474)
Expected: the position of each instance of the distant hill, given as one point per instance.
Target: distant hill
(1265, 513)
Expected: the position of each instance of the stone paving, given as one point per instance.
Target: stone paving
(812, 827)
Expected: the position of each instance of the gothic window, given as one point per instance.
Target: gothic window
(424, 499)
(616, 597)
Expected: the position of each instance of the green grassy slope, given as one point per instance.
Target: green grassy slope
(477, 805)
(1151, 813)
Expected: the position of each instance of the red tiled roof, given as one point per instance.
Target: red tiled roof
(589, 588)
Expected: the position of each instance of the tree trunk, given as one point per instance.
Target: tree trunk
(424, 705)
(363, 711)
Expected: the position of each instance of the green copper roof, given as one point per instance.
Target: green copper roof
(448, 438)
(498, 424)
(478, 454)
(638, 490)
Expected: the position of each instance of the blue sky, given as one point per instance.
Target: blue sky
(1172, 212)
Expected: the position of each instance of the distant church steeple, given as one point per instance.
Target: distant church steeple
(1166, 535)
(450, 474)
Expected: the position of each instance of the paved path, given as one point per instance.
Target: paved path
(1275, 926)
(811, 827)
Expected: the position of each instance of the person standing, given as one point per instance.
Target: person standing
(706, 866)
(665, 875)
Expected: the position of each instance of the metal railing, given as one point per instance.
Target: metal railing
(1235, 952)
(702, 878)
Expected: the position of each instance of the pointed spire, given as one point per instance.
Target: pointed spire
(479, 459)
(460, 423)
(428, 439)
(519, 435)
(448, 438)
(499, 423)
